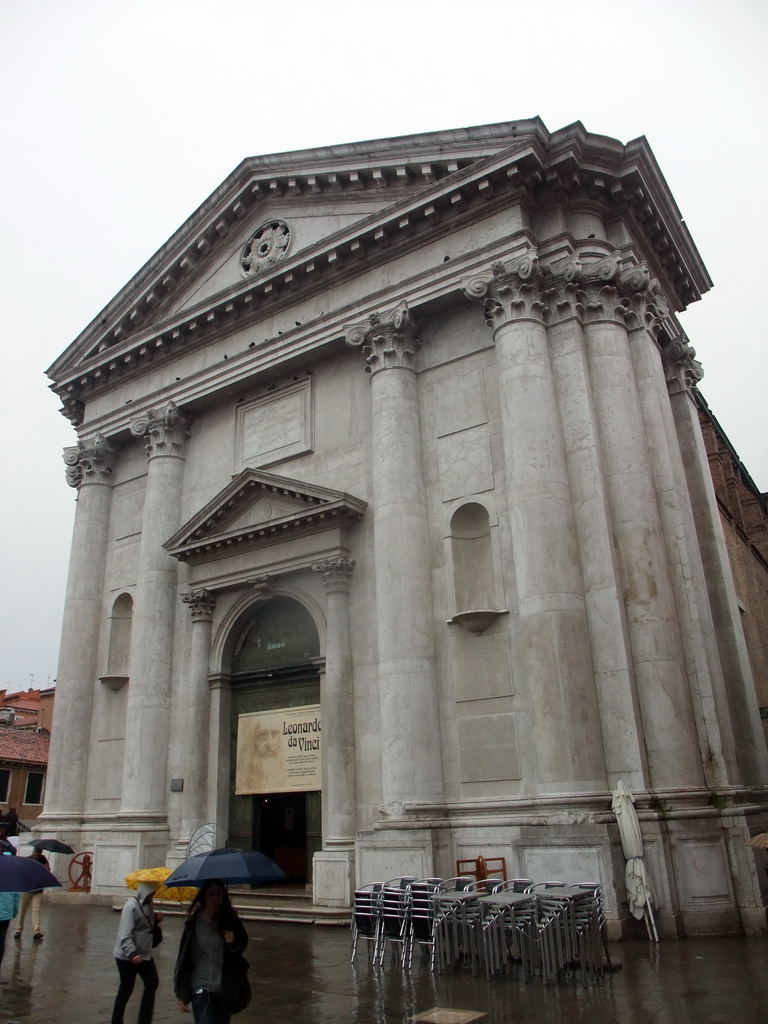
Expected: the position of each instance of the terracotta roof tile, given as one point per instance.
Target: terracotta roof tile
(22, 745)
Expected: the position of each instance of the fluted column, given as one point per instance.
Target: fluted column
(664, 697)
(555, 656)
(682, 373)
(195, 705)
(144, 782)
(411, 758)
(90, 470)
(338, 755)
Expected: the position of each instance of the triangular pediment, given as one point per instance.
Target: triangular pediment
(258, 509)
(321, 194)
(297, 222)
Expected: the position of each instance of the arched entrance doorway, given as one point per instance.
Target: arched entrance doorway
(274, 668)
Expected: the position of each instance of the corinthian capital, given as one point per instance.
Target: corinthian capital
(90, 462)
(336, 573)
(201, 604)
(600, 290)
(386, 339)
(644, 299)
(511, 292)
(165, 430)
(681, 367)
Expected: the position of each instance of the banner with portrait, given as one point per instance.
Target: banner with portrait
(278, 751)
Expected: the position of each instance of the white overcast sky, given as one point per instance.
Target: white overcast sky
(119, 117)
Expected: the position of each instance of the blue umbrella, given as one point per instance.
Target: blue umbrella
(24, 874)
(231, 866)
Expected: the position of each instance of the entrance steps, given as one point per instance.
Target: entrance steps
(287, 903)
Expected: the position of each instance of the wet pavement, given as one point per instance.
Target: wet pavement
(302, 975)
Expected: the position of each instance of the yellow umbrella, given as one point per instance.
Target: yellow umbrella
(760, 840)
(180, 894)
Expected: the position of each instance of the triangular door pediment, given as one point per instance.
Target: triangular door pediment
(258, 509)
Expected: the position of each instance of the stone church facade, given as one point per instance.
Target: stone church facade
(395, 539)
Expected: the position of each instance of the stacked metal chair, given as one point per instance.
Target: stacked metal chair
(423, 920)
(592, 925)
(366, 918)
(451, 933)
(395, 920)
(520, 927)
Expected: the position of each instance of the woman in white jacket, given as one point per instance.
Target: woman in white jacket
(133, 953)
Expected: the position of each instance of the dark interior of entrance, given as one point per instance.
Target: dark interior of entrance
(286, 828)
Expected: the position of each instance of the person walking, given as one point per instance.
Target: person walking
(210, 973)
(9, 908)
(33, 899)
(6, 846)
(137, 934)
(12, 821)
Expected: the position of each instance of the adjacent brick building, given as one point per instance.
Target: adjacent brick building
(744, 515)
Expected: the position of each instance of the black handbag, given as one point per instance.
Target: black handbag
(157, 935)
(238, 987)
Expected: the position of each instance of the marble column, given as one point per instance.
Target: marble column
(194, 703)
(338, 758)
(647, 314)
(615, 683)
(682, 373)
(90, 470)
(555, 656)
(146, 736)
(664, 698)
(411, 757)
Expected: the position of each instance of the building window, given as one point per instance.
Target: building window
(5, 785)
(34, 794)
(282, 632)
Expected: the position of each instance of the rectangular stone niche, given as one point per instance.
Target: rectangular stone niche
(274, 427)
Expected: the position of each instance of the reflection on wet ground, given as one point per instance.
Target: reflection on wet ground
(301, 973)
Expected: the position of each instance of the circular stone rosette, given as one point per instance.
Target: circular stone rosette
(266, 246)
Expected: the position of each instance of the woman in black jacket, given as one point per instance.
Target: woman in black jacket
(210, 969)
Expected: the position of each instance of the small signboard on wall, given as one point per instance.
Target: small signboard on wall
(278, 751)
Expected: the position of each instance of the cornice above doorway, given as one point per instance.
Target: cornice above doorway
(260, 509)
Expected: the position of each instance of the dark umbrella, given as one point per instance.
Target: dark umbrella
(233, 867)
(24, 874)
(52, 846)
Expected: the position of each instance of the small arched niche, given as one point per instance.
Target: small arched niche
(119, 650)
(474, 574)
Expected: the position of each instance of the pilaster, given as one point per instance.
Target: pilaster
(334, 866)
(194, 703)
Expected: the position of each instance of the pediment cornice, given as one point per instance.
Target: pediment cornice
(377, 166)
(534, 162)
(258, 509)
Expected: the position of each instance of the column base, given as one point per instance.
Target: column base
(333, 877)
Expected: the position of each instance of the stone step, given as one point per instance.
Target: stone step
(292, 904)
